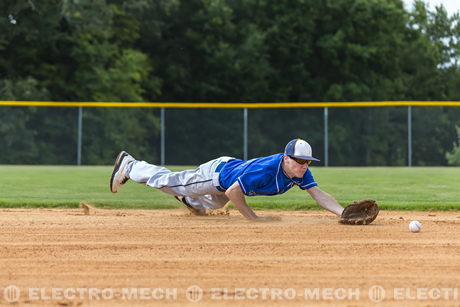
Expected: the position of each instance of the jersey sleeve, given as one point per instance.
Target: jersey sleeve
(308, 181)
(251, 182)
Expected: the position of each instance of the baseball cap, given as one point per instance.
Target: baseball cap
(298, 148)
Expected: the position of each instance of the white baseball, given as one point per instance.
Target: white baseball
(415, 226)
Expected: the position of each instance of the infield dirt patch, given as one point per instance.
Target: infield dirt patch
(129, 257)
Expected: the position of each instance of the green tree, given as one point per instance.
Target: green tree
(453, 157)
(430, 70)
(77, 51)
(229, 50)
(101, 40)
(17, 136)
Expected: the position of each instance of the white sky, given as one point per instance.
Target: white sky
(452, 6)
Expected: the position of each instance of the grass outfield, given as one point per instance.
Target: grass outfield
(394, 188)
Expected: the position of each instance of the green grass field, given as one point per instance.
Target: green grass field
(394, 188)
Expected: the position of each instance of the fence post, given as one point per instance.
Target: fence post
(162, 137)
(326, 137)
(409, 136)
(245, 134)
(79, 134)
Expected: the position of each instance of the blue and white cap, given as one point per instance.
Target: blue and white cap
(298, 148)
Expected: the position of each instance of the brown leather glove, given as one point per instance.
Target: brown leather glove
(361, 212)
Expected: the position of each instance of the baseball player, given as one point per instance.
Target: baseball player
(214, 183)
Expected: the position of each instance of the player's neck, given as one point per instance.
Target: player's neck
(286, 172)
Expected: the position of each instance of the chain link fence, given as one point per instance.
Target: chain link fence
(345, 136)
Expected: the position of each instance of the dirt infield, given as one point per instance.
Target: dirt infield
(113, 257)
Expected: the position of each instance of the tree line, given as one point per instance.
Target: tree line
(227, 51)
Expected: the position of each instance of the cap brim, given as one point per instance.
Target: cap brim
(306, 158)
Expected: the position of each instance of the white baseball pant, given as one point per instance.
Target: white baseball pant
(201, 186)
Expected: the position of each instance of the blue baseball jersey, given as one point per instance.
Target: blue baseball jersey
(262, 176)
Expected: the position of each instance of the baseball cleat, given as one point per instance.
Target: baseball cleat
(119, 173)
(195, 211)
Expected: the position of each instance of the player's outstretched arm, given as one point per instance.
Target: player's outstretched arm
(236, 195)
(325, 200)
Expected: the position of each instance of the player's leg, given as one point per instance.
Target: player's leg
(126, 167)
(210, 201)
(194, 183)
(199, 210)
(124, 170)
(142, 171)
(195, 188)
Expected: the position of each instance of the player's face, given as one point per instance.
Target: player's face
(301, 161)
(296, 167)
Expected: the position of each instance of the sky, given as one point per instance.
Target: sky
(452, 6)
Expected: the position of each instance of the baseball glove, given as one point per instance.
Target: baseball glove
(361, 212)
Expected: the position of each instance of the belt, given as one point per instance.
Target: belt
(219, 167)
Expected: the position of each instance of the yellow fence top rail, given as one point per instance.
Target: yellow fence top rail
(231, 105)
